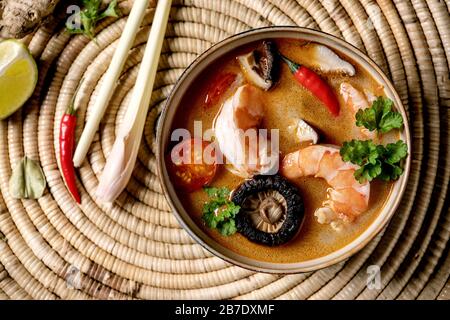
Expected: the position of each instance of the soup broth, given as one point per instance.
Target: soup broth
(287, 100)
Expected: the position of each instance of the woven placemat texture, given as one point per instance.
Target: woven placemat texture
(52, 248)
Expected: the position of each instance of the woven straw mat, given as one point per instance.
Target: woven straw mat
(52, 248)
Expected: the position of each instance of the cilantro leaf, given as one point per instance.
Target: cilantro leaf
(217, 192)
(375, 161)
(391, 121)
(368, 172)
(396, 152)
(219, 212)
(367, 118)
(390, 172)
(112, 11)
(91, 14)
(379, 116)
(360, 152)
(228, 228)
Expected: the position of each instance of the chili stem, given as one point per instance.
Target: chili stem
(293, 66)
(71, 110)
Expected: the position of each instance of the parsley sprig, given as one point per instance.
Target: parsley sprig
(220, 211)
(379, 116)
(91, 15)
(375, 161)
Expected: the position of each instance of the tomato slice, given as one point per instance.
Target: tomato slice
(218, 87)
(192, 164)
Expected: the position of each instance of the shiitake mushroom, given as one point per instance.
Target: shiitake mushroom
(271, 212)
(261, 66)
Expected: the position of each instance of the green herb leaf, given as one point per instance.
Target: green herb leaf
(395, 152)
(368, 172)
(367, 118)
(391, 121)
(219, 212)
(360, 152)
(228, 228)
(375, 161)
(379, 116)
(27, 180)
(112, 11)
(213, 192)
(92, 14)
(391, 172)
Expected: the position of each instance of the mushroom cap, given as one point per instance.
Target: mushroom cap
(272, 210)
(261, 66)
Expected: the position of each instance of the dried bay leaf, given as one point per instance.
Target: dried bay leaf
(27, 180)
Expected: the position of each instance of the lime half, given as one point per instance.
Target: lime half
(18, 76)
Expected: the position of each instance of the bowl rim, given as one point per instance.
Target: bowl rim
(334, 257)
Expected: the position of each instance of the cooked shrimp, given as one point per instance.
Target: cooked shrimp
(235, 130)
(346, 199)
(357, 101)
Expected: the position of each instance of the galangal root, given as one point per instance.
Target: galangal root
(21, 17)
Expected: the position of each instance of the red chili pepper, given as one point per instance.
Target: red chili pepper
(66, 149)
(218, 87)
(314, 83)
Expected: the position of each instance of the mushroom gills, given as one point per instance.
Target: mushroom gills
(260, 66)
(267, 210)
(271, 212)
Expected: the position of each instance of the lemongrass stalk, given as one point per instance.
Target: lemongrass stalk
(110, 80)
(121, 161)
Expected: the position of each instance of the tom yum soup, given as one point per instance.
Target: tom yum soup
(285, 151)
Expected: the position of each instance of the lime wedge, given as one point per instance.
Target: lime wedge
(18, 76)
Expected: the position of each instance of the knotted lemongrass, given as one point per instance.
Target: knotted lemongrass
(121, 161)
